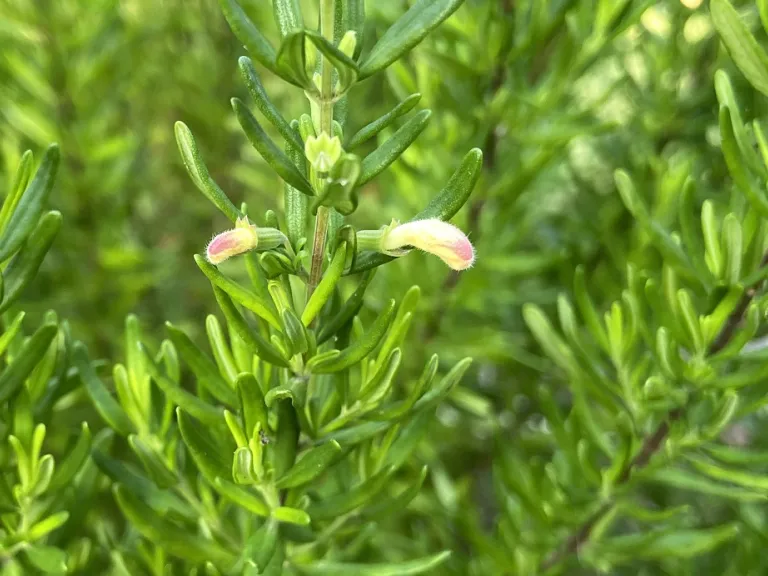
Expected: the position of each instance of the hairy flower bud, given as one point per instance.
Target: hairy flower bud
(242, 238)
(440, 238)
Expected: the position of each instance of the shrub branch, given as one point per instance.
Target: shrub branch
(655, 441)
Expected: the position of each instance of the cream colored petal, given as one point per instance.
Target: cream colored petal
(440, 238)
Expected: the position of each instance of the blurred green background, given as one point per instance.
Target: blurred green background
(108, 78)
(557, 103)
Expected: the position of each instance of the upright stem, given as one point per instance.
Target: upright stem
(326, 125)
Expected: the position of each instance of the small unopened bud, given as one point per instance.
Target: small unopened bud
(242, 238)
(322, 152)
(440, 238)
(348, 43)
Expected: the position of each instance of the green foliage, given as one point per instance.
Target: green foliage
(44, 479)
(320, 414)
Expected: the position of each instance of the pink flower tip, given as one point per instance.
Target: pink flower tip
(242, 238)
(440, 238)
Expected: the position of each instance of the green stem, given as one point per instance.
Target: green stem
(326, 122)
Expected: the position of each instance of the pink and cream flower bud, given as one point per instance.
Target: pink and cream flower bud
(440, 238)
(242, 238)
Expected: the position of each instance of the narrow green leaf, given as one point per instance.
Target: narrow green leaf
(734, 455)
(175, 540)
(156, 469)
(389, 151)
(326, 286)
(550, 342)
(47, 525)
(11, 331)
(727, 97)
(275, 157)
(690, 319)
(47, 559)
(265, 105)
(394, 505)
(710, 229)
(295, 333)
(203, 367)
(663, 544)
(223, 355)
(762, 8)
(25, 360)
(213, 458)
(736, 167)
(659, 236)
(345, 502)
(296, 203)
(629, 195)
(19, 184)
(380, 383)
(719, 472)
(163, 501)
(685, 480)
(747, 331)
(245, 461)
(400, 324)
(250, 338)
(353, 18)
(410, 29)
(398, 409)
(30, 205)
(198, 172)
(411, 435)
(742, 46)
(291, 516)
(689, 228)
(134, 360)
(283, 452)
(420, 566)
(310, 465)
(354, 435)
(653, 516)
(350, 309)
(262, 545)
(104, 403)
(291, 60)
(250, 36)
(370, 130)
(242, 497)
(733, 247)
(359, 349)
(73, 461)
(262, 308)
(287, 15)
(24, 265)
(345, 67)
(198, 408)
(252, 404)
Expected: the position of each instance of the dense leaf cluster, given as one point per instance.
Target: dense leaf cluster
(289, 402)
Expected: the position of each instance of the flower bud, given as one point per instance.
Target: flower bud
(348, 43)
(440, 238)
(322, 152)
(242, 238)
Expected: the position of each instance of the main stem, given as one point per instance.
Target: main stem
(326, 125)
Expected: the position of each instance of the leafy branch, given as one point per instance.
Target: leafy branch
(655, 441)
